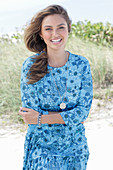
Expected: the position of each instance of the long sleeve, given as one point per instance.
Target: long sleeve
(29, 96)
(82, 108)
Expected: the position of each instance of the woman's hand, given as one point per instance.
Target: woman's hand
(29, 116)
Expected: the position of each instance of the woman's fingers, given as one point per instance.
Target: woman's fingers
(25, 115)
(29, 116)
(24, 109)
(22, 113)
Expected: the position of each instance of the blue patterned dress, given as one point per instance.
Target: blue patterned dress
(58, 146)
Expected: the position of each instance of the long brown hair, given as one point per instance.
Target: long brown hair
(34, 42)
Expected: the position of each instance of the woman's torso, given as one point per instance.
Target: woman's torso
(59, 139)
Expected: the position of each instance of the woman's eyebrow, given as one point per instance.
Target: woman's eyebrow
(57, 25)
(61, 24)
(47, 26)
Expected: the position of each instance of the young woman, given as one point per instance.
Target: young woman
(56, 92)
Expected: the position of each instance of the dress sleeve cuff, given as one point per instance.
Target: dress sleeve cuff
(64, 117)
(45, 112)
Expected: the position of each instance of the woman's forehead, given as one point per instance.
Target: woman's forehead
(55, 19)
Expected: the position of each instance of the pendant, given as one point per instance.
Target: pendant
(62, 105)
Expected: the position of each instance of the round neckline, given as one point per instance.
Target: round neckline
(63, 65)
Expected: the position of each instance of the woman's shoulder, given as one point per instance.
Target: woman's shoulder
(29, 61)
(26, 66)
(79, 60)
(78, 57)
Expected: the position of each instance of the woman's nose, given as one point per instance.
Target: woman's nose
(55, 32)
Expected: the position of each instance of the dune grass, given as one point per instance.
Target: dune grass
(13, 55)
(11, 58)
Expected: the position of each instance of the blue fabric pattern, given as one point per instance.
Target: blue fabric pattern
(58, 146)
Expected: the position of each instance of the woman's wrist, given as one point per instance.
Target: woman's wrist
(39, 119)
(52, 119)
(44, 119)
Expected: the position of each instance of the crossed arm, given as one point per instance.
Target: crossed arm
(78, 114)
(30, 116)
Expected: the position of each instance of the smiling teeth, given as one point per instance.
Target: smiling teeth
(56, 40)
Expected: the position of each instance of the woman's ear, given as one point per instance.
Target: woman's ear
(40, 36)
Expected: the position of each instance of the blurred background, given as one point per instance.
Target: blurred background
(91, 37)
(14, 13)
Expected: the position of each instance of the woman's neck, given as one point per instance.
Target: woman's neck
(57, 58)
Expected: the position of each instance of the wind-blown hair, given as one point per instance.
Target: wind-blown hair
(34, 42)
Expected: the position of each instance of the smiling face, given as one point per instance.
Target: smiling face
(54, 31)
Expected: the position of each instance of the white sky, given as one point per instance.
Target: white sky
(16, 13)
(13, 5)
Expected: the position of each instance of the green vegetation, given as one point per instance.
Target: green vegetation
(97, 32)
(11, 59)
(12, 56)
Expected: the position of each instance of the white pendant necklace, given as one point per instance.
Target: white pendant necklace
(62, 104)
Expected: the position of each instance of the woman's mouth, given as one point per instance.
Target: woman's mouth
(56, 41)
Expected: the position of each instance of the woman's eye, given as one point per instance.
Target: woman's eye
(61, 27)
(48, 29)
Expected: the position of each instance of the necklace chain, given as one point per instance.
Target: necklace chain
(62, 105)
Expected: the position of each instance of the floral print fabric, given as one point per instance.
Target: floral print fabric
(58, 146)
